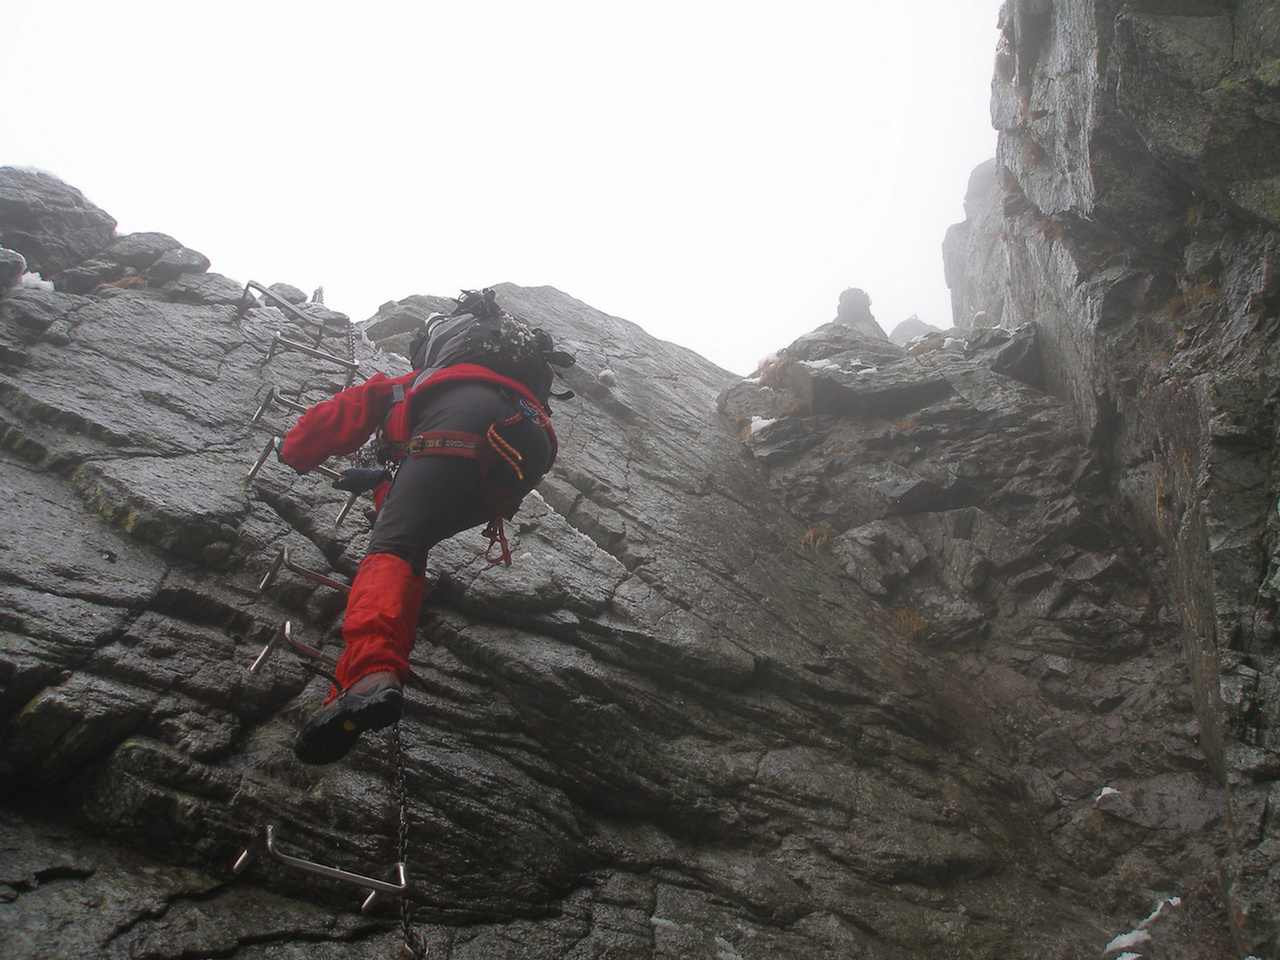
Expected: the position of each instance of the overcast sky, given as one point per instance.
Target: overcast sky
(717, 171)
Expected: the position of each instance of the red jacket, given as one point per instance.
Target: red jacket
(340, 426)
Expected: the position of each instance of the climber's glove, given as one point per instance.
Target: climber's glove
(361, 479)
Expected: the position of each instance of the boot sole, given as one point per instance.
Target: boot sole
(332, 732)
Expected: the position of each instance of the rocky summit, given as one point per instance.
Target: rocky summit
(963, 647)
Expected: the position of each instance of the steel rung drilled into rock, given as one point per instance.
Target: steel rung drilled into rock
(272, 445)
(279, 400)
(262, 458)
(280, 342)
(285, 636)
(286, 561)
(321, 326)
(267, 841)
(346, 509)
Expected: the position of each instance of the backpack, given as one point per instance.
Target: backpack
(479, 331)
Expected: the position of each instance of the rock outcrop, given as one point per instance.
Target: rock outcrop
(909, 329)
(974, 253)
(854, 311)
(1133, 211)
(50, 222)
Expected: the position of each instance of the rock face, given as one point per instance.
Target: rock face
(982, 524)
(1134, 211)
(962, 650)
(861, 658)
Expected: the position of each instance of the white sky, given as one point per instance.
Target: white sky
(717, 171)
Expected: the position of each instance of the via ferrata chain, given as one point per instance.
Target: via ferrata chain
(414, 945)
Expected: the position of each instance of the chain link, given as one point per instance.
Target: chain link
(414, 945)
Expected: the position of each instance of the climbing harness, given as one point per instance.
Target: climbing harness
(483, 449)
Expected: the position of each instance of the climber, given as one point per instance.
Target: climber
(470, 431)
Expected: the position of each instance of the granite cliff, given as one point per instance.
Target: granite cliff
(963, 648)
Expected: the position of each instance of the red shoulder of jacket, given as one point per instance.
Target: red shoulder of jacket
(342, 424)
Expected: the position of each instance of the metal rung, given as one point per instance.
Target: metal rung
(323, 471)
(267, 841)
(266, 452)
(281, 342)
(270, 448)
(288, 308)
(286, 636)
(342, 514)
(284, 560)
(279, 400)
(351, 500)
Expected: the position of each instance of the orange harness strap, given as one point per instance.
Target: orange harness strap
(505, 450)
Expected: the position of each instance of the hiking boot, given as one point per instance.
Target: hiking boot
(371, 703)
